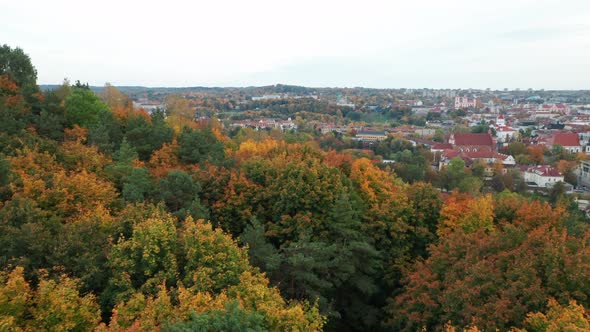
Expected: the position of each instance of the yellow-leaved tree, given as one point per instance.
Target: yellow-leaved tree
(194, 275)
(54, 305)
(466, 213)
(570, 318)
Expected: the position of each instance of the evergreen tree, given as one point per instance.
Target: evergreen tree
(179, 192)
(137, 186)
(123, 163)
(199, 145)
(106, 133)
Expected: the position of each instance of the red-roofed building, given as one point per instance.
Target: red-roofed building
(470, 147)
(569, 141)
(440, 147)
(542, 176)
(486, 156)
(468, 142)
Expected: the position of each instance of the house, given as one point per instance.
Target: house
(569, 141)
(370, 136)
(504, 133)
(541, 176)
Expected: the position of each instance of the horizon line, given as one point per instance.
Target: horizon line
(318, 87)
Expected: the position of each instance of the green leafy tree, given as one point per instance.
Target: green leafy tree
(144, 261)
(27, 234)
(470, 184)
(17, 65)
(212, 260)
(439, 136)
(516, 148)
(81, 248)
(453, 173)
(84, 108)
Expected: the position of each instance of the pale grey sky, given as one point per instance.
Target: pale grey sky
(370, 43)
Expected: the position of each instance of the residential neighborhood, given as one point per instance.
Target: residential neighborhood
(543, 136)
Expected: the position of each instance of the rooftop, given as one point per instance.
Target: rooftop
(473, 139)
(566, 139)
(543, 170)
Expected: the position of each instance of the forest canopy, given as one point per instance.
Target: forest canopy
(113, 218)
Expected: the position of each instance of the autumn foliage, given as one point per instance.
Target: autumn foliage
(492, 279)
(113, 219)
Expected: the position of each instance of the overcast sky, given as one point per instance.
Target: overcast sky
(381, 44)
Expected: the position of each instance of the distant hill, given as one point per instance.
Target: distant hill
(251, 90)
